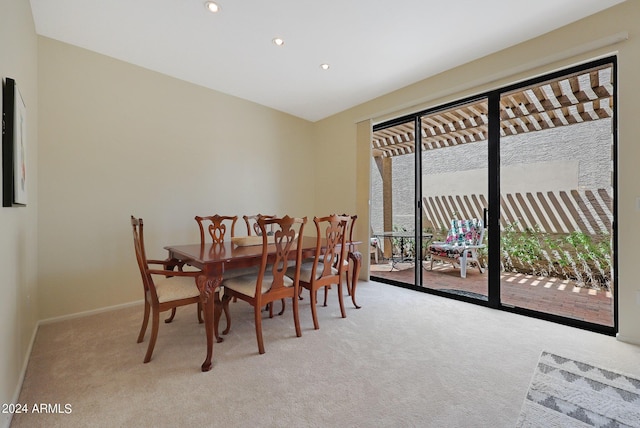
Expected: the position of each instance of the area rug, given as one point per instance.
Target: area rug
(569, 393)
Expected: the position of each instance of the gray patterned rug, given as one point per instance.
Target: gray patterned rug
(568, 393)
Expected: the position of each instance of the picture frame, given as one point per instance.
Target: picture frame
(14, 146)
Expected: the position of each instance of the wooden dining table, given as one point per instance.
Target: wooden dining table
(214, 260)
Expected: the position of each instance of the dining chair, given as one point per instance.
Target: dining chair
(217, 226)
(171, 290)
(328, 263)
(252, 224)
(253, 229)
(347, 268)
(275, 279)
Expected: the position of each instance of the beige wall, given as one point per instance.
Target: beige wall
(580, 42)
(18, 232)
(118, 140)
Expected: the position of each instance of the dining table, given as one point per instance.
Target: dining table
(213, 260)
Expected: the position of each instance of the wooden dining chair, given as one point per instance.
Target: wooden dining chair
(216, 226)
(252, 224)
(347, 267)
(253, 229)
(275, 279)
(170, 290)
(328, 264)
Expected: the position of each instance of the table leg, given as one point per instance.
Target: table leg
(218, 308)
(208, 286)
(356, 257)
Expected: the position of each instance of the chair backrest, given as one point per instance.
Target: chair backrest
(332, 231)
(217, 228)
(252, 224)
(349, 234)
(287, 238)
(350, 226)
(141, 256)
(465, 232)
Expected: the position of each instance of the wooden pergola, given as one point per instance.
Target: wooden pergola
(577, 98)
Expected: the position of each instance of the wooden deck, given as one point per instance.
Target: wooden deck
(550, 295)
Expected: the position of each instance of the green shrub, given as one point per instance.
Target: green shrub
(578, 256)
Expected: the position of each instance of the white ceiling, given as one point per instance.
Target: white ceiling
(373, 46)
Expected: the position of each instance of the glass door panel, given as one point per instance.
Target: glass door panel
(454, 200)
(556, 196)
(392, 204)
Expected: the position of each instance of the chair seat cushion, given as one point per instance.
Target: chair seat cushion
(446, 250)
(233, 273)
(246, 284)
(306, 271)
(345, 262)
(176, 288)
(227, 273)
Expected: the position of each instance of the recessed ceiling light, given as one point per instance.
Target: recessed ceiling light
(324, 66)
(278, 41)
(212, 6)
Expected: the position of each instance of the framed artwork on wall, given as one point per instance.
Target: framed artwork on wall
(14, 146)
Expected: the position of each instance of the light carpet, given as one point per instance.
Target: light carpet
(405, 359)
(569, 393)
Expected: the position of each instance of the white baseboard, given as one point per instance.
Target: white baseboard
(25, 363)
(91, 312)
(627, 339)
(5, 422)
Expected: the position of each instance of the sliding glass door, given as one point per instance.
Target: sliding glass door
(505, 199)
